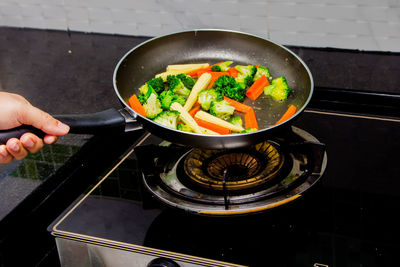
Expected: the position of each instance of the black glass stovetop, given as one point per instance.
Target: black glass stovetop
(349, 218)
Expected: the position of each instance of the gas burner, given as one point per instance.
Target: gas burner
(240, 181)
(233, 170)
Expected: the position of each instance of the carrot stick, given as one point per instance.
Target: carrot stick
(238, 106)
(194, 110)
(213, 127)
(250, 119)
(203, 70)
(215, 75)
(257, 88)
(136, 106)
(233, 72)
(288, 114)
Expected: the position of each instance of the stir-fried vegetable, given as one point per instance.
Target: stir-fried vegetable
(221, 109)
(207, 96)
(167, 118)
(152, 106)
(206, 99)
(279, 89)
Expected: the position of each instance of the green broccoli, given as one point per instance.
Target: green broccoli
(167, 118)
(187, 81)
(184, 127)
(180, 99)
(205, 97)
(278, 90)
(246, 75)
(168, 97)
(176, 85)
(152, 106)
(250, 130)
(221, 109)
(260, 72)
(224, 66)
(237, 120)
(157, 84)
(145, 91)
(227, 86)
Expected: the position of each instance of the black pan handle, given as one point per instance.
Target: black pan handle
(110, 120)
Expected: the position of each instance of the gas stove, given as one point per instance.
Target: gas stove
(233, 182)
(279, 203)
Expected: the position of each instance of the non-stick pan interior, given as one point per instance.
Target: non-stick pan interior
(213, 46)
(144, 61)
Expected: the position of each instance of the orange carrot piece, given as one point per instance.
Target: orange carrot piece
(198, 72)
(250, 119)
(203, 70)
(233, 72)
(215, 75)
(237, 105)
(136, 106)
(213, 127)
(288, 114)
(257, 88)
(194, 110)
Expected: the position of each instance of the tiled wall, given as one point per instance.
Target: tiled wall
(354, 24)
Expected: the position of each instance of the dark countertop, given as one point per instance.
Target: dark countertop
(70, 72)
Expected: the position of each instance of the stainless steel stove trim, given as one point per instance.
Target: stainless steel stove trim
(58, 233)
(352, 115)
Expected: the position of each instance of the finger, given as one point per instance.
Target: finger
(31, 142)
(16, 149)
(50, 139)
(5, 157)
(33, 116)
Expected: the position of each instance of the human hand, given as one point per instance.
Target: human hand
(15, 111)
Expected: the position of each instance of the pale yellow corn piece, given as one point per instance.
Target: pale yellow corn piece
(164, 75)
(185, 68)
(186, 118)
(210, 118)
(201, 84)
(208, 131)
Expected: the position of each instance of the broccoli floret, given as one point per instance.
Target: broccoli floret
(180, 99)
(227, 86)
(187, 81)
(246, 74)
(168, 97)
(205, 97)
(145, 92)
(221, 109)
(152, 106)
(249, 130)
(237, 120)
(143, 89)
(176, 85)
(157, 84)
(216, 68)
(260, 72)
(224, 66)
(167, 118)
(278, 90)
(184, 127)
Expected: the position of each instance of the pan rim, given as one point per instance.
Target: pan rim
(136, 115)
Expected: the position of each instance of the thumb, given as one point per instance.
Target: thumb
(39, 119)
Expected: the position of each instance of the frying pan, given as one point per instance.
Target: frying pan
(196, 46)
